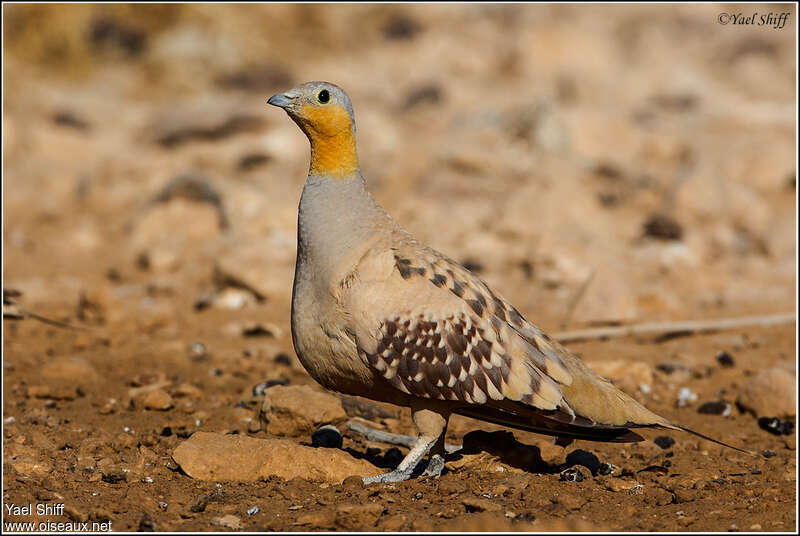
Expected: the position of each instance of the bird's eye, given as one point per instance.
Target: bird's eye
(323, 96)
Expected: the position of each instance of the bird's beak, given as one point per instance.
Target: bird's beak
(281, 100)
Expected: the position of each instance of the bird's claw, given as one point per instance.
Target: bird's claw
(435, 466)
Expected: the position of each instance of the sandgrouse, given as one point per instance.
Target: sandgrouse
(377, 314)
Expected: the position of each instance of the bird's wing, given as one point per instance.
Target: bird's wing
(434, 330)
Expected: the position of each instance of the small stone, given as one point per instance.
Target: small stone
(573, 474)
(664, 442)
(605, 469)
(253, 511)
(618, 484)
(776, 426)
(768, 453)
(158, 400)
(725, 359)
(327, 436)
(719, 407)
(112, 476)
(685, 397)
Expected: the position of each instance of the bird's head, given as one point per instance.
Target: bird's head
(323, 112)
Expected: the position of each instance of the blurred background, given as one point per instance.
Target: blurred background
(644, 154)
(594, 164)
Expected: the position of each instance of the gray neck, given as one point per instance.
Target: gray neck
(335, 215)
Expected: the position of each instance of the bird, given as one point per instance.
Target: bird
(378, 314)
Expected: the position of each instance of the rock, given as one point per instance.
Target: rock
(229, 522)
(618, 484)
(685, 397)
(720, 407)
(358, 516)
(294, 410)
(476, 504)
(71, 370)
(776, 426)
(725, 359)
(771, 392)
(216, 457)
(187, 390)
(664, 442)
(627, 375)
(573, 474)
(157, 399)
(328, 437)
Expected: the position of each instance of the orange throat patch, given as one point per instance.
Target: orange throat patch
(333, 145)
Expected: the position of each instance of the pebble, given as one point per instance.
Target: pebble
(768, 453)
(725, 359)
(719, 407)
(253, 511)
(158, 400)
(776, 426)
(664, 442)
(573, 474)
(685, 397)
(618, 484)
(327, 436)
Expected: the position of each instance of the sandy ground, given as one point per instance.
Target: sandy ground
(595, 165)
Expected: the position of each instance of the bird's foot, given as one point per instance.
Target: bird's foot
(435, 466)
(395, 476)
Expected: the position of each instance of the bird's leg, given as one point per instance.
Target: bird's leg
(431, 425)
(436, 461)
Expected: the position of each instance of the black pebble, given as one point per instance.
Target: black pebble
(719, 407)
(725, 359)
(328, 437)
(584, 458)
(774, 425)
(664, 442)
(166, 431)
(605, 469)
(573, 474)
(768, 453)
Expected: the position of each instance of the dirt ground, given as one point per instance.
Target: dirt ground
(596, 166)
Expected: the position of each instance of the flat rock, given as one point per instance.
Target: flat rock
(770, 393)
(294, 410)
(218, 457)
